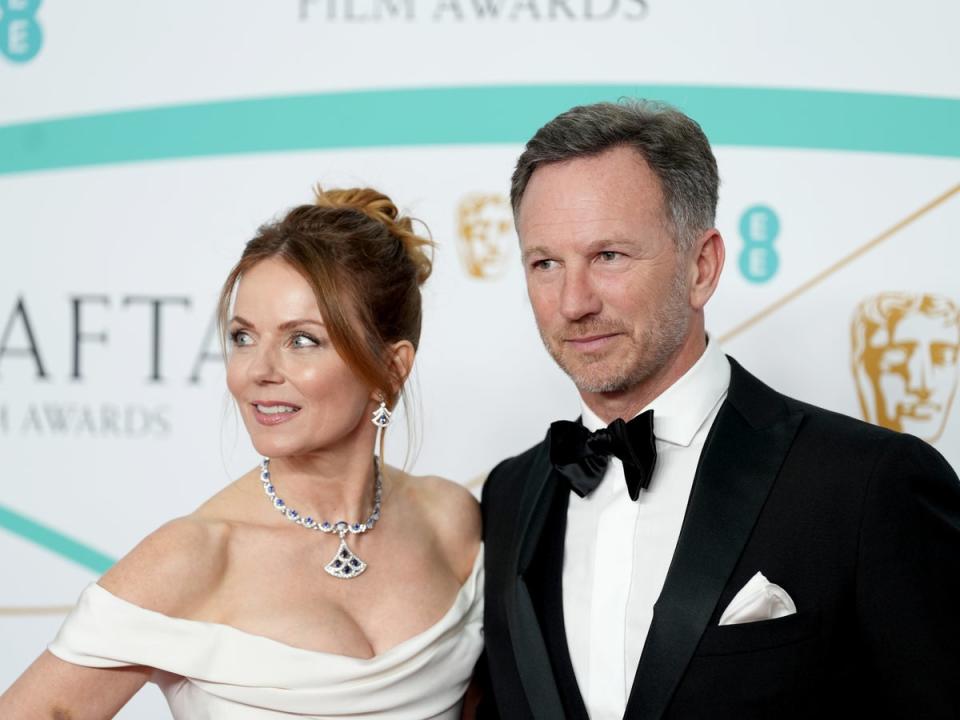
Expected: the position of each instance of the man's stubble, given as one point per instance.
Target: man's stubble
(644, 356)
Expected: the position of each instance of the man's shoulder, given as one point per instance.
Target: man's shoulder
(508, 475)
(841, 429)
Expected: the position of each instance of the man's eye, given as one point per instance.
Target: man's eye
(608, 255)
(545, 264)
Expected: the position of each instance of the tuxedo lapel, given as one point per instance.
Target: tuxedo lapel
(530, 651)
(544, 581)
(740, 460)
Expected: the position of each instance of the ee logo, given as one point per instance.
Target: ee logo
(20, 33)
(759, 227)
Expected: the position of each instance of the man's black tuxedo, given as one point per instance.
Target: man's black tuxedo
(860, 525)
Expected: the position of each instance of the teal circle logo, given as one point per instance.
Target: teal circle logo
(20, 34)
(759, 227)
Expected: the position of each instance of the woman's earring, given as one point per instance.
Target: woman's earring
(381, 416)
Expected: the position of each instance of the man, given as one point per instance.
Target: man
(752, 556)
(906, 361)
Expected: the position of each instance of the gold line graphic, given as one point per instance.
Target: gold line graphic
(26, 611)
(843, 262)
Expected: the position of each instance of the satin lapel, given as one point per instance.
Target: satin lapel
(739, 463)
(544, 581)
(533, 661)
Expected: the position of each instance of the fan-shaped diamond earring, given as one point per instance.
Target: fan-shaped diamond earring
(381, 416)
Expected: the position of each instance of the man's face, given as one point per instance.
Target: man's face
(914, 371)
(603, 274)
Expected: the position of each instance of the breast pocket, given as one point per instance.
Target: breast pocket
(762, 635)
(752, 670)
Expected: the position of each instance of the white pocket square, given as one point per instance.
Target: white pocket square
(758, 600)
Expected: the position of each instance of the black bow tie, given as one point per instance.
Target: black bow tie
(581, 456)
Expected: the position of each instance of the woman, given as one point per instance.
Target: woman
(362, 596)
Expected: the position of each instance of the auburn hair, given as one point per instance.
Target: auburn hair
(365, 265)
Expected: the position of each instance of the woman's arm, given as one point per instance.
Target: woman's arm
(53, 689)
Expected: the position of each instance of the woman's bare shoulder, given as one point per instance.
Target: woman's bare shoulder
(453, 514)
(176, 568)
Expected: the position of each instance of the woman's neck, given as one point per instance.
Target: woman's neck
(329, 484)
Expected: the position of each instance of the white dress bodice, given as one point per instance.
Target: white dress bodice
(210, 671)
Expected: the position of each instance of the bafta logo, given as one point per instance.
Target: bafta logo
(485, 230)
(905, 361)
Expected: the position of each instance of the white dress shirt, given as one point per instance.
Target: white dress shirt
(617, 551)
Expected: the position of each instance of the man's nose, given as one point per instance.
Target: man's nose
(578, 297)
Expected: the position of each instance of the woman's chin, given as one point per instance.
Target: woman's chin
(276, 448)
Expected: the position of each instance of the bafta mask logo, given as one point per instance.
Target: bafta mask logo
(485, 230)
(905, 361)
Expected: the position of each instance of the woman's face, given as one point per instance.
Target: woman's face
(294, 391)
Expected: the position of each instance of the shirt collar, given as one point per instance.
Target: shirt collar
(681, 409)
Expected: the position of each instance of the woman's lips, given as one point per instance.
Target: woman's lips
(273, 413)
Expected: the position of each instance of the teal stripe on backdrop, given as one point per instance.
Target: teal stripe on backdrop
(758, 117)
(54, 541)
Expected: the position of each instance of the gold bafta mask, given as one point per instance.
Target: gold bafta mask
(905, 361)
(485, 233)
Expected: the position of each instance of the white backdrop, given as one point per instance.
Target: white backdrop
(142, 143)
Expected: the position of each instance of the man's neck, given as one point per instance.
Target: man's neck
(627, 403)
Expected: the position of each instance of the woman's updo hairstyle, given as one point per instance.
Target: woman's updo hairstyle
(365, 265)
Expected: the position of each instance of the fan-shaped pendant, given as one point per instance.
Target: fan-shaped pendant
(345, 564)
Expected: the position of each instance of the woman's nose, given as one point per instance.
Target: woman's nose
(264, 367)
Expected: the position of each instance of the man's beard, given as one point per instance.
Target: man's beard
(648, 354)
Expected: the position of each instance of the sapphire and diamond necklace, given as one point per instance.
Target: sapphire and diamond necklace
(345, 564)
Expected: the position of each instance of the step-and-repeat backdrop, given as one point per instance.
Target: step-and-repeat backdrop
(142, 143)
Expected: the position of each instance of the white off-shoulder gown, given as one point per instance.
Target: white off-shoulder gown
(210, 671)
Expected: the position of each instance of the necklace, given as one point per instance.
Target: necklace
(345, 564)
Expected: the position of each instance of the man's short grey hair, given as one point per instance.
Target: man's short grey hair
(673, 145)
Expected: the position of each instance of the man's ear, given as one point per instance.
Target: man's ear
(705, 261)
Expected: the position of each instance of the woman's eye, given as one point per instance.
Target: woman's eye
(240, 338)
(302, 340)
